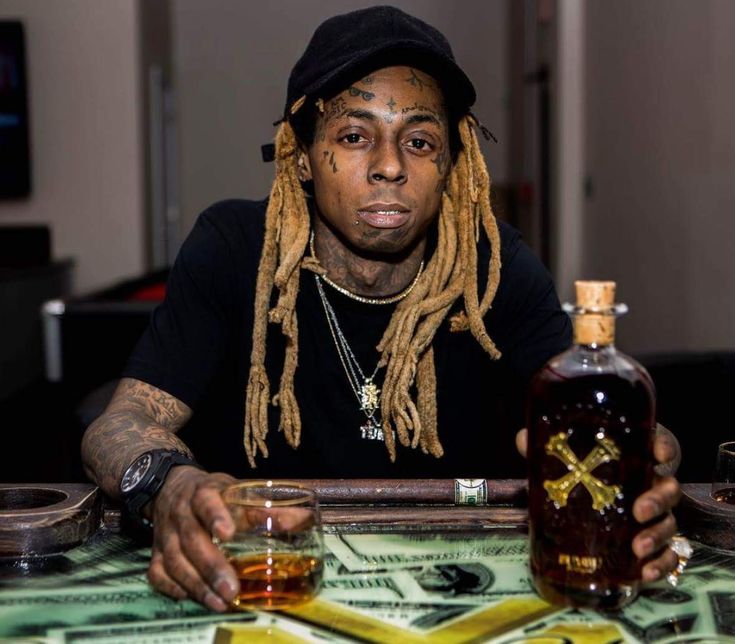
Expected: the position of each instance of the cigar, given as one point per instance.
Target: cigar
(502, 492)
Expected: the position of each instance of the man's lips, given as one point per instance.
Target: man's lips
(384, 215)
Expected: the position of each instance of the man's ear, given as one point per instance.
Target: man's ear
(304, 166)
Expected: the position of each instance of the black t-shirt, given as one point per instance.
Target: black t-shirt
(197, 348)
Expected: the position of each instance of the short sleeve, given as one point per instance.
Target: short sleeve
(526, 320)
(190, 331)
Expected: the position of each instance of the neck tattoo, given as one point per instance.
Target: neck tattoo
(361, 298)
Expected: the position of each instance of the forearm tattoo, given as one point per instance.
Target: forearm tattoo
(140, 417)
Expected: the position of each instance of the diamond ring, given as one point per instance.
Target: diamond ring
(683, 550)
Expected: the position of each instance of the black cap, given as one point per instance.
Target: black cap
(346, 46)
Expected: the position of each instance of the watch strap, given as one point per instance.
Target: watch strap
(163, 461)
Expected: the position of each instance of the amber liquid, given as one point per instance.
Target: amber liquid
(276, 581)
(580, 555)
(725, 495)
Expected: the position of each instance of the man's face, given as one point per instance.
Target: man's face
(379, 160)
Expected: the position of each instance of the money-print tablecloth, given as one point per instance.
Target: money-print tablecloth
(387, 587)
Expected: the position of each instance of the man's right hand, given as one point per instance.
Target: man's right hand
(187, 511)
(186, 514)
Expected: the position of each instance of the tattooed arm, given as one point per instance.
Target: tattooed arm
(139, 418)
(187, 511)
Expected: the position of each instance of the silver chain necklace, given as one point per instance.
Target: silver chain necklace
(365, 390)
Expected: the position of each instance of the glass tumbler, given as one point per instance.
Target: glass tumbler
(723, 480)
(277, 549)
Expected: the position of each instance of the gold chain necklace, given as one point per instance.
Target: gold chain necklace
(368, 300)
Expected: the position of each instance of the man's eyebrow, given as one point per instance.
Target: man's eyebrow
(423, 118)
(361, 114)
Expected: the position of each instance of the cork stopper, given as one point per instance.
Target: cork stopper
(595, 322)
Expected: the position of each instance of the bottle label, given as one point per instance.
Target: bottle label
(580, 472)
(583, 565)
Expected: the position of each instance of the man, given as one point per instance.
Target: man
(378, 233)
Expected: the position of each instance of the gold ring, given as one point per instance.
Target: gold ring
(683, 550)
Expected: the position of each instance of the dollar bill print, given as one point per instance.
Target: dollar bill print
(197, 630)
(191, 630)
(399, 587)
(703, 606)
(469, 581)
(371, 552)
(106, 560)
(32, 613)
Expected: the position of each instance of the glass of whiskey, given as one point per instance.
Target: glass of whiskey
(723, 481)
(278, 548)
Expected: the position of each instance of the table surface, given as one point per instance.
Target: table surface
(392, 585)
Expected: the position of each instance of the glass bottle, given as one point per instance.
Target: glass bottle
(591, 416)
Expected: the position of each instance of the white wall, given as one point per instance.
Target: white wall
(568, 129)
(86, 147)
(661, 155)
(232, 62)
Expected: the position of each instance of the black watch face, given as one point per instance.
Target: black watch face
(135, 473)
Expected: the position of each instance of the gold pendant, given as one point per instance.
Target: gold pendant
(369, 397)
(603, 495)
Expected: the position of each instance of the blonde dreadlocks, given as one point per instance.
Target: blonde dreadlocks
(405, 348)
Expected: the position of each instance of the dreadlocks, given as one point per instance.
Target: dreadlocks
(405, 347)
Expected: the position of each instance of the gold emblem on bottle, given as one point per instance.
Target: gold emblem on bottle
(603, 496)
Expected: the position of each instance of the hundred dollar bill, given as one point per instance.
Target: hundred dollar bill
(370, 552)
(662, 611)
(569, 628)
(32, 613)
(722, 605)
(396, 586)
(396, 597)
(193, 630)
(474, 582)
(410, 615)
(252, 626)
(414, 622)
(109, 560)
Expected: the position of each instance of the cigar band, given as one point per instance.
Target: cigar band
(470, 491)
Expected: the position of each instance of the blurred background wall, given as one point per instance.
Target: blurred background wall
(86, 134)
(233, 60)
(660, 166)
(639, 158)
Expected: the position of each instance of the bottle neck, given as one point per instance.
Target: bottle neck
(591, 329)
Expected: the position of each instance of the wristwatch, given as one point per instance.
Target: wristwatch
(145, 476)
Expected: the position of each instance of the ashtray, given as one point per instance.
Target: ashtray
(38, 520)
(703, 519)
